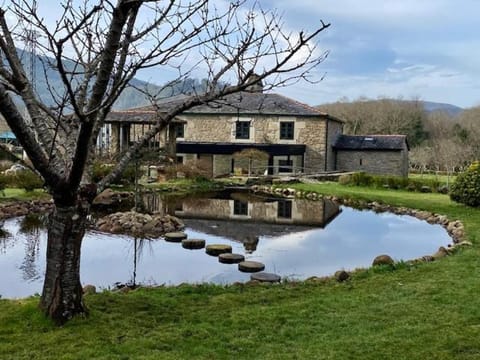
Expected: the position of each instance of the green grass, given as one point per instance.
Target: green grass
(428, 311)
(10, 194)
(443, 179)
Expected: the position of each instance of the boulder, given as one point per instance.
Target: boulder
(89, 289)
(441, 252)
(342, 275)
(383, 260)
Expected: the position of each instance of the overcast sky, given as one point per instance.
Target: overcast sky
(428, 49)
(411, 48)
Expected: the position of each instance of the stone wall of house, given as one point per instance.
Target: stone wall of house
(374, 162)
(335, 129)
(312, 134)
(222, 165)
(263, 130)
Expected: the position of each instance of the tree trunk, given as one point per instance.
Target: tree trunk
(62, 291)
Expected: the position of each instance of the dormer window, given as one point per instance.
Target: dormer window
(242, 130)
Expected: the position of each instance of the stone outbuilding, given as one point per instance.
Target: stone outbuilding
(374, 154)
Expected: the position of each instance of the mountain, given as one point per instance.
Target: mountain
(429, 106)
(133, 96)
(452, 110)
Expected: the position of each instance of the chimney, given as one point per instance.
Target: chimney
(256, 87)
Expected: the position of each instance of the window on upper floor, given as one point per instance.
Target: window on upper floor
(287, 130)
(179, 131)
(242, 130)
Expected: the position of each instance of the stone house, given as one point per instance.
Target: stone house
(374, 154)
(296, 137)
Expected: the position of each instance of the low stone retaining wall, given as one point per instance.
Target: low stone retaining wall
(22, 208)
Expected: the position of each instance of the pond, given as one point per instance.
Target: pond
(294, 238)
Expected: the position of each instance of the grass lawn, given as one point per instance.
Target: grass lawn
(443, 179)
(429, 311)
(10, 194)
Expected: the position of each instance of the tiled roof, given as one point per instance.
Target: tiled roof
(370, 142)
(243, 103)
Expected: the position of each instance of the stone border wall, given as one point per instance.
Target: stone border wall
(22, 208)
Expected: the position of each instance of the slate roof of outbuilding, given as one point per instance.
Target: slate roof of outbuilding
(370, 142)
(243, 103)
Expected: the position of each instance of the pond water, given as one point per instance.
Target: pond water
(293, 238)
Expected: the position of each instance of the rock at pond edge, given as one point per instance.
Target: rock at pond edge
(265, 277)
(342, 275)
(383, 260)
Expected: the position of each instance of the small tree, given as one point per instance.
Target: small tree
(251, 155)
(97, 48)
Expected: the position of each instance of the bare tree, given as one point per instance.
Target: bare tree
(381, 116)
(98, 47)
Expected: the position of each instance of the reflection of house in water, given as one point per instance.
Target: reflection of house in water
(245, 217)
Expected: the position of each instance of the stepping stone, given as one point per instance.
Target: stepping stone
(227, 258)
(193, 244)
(266, 277)
(251, 266)
(217, 249)
(175, 236)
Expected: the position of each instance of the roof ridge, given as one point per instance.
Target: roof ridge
(306, 106)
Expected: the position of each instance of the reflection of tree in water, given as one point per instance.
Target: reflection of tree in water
(5, 238)
(31, 225)
(250, 244)
(138, 248)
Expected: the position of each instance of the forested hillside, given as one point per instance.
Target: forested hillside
(48, 84)
(441, 138)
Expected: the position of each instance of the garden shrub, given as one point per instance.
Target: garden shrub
(362, 179)
(466, 188)
(3, 182)
(195, 171)
(100, 170)
(344, 179)
(27, 180)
